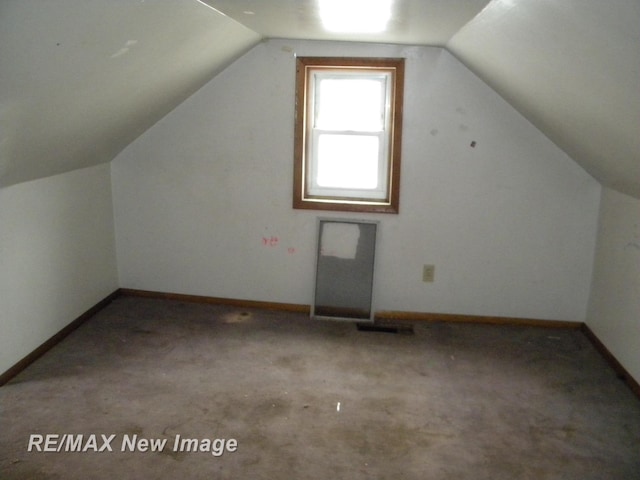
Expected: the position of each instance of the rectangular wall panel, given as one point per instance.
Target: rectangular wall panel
(345, 261)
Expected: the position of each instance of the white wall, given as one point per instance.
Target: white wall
(510, 225)
(614, 307)
(57, 256)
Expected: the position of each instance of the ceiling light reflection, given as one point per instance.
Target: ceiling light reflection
(355, 16)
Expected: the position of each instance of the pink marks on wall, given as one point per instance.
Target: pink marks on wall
(270, 241)
(273, 241)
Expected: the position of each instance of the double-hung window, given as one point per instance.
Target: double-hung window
(348, 134)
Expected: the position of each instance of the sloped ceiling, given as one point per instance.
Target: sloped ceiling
(81, 79)
(413, 22)
(572, 67)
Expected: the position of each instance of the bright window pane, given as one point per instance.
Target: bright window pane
(348, 161)
(350, 104)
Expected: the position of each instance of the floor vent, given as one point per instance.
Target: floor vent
(372, 327)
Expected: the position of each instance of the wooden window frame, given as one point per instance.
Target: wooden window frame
(305, 66)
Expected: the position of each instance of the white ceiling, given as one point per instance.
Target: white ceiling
(414, 22)
(81, 79)
(572, 67)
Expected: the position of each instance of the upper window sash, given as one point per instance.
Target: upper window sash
(342, 101)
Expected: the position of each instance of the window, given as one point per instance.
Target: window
(348, 134)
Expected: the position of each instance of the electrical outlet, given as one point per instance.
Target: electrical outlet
(428, 273)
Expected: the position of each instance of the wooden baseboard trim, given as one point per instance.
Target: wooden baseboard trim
(55, 339)
(381, 315)
(234, 302)
(479, 319)
(622, 372)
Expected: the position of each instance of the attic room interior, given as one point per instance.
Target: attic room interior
(159, 275)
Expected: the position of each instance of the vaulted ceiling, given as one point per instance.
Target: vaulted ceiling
(81, 79)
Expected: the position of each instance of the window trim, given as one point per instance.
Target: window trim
(304, 68)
